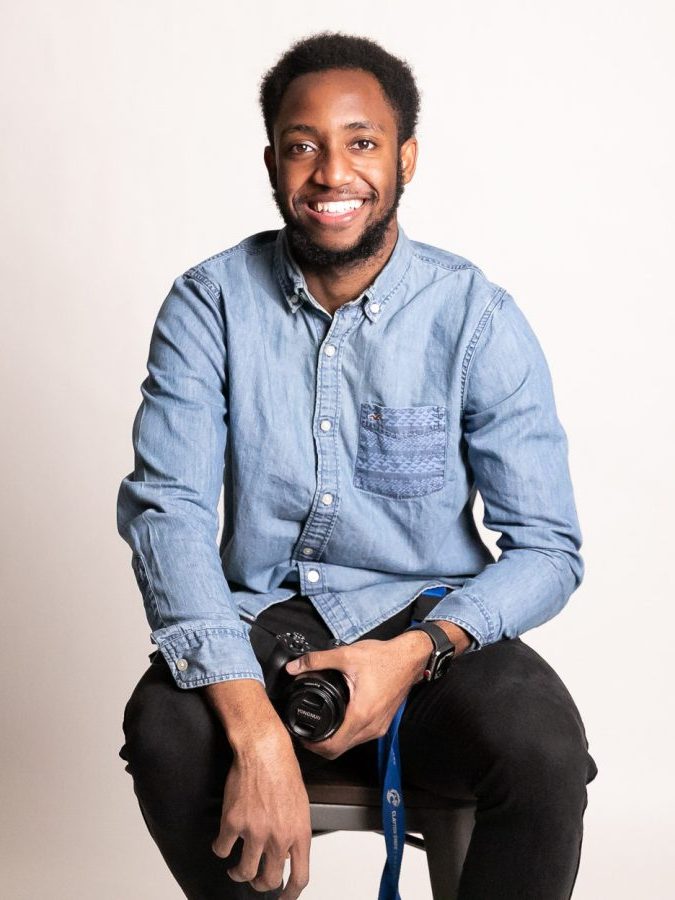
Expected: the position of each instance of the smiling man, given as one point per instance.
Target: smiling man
(339, 207)
(352, 389)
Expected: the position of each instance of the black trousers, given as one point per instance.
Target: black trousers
(500, 727)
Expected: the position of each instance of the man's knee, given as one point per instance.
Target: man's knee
(170, 734)
(144, 723)
(540, 760)
(513, 730)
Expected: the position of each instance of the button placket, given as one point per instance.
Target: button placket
(323, 513)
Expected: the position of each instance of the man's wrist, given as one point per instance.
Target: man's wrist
(245, 712)
(415, 647)
(418, 646)
(460, 638)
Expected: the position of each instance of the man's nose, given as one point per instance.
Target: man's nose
(333, 168)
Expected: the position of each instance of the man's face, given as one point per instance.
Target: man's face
(336, 169)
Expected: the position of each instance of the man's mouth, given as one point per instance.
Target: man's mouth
(336, 207)
(334, 211)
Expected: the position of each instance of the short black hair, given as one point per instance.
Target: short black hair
(335, 50)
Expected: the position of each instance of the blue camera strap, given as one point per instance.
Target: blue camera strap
(393, 810)
(393, 807)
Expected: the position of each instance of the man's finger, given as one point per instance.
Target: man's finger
(315, 660)
(331, 748)
(248, 865)
(340, 742)
(223, 844)
(271, 873)
(299, 877)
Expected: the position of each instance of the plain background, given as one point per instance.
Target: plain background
(132, 149)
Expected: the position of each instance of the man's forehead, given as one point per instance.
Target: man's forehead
(351, 99)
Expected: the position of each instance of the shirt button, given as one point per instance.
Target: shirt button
(327, 499)
(374, 307)
(325, 425)
(329, 350)
(313, 576)
(308, 551)
(181, 664)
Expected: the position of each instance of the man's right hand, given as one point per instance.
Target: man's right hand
(265, 801)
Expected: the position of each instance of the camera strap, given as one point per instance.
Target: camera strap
(393, 807)
(393, 810)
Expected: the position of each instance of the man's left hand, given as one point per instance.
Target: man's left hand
(379, 675)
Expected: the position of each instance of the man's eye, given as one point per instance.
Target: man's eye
(294, 148)
(364, 141)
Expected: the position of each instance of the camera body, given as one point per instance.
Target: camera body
(312, 705)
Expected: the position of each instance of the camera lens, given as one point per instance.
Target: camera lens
(315, 705)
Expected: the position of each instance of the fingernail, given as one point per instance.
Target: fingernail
(293, 666)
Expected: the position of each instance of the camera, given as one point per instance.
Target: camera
(312, 704)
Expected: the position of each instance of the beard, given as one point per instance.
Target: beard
(305, 250)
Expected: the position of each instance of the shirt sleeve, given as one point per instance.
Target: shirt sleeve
(167, 508)
(517, 451)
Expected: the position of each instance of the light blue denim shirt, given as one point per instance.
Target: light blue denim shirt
(350, 448)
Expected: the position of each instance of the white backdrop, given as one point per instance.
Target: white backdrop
(132, 148)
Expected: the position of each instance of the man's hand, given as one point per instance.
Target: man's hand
(379, 675)
(265, 803)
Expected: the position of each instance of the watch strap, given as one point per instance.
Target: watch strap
(443, 647)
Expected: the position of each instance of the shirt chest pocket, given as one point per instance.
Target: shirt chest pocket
(401, 450)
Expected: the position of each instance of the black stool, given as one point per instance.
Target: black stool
(341, 800)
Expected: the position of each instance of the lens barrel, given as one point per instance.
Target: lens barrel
(314, 704)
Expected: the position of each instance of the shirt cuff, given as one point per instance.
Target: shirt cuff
(203, 653)
(468, 613)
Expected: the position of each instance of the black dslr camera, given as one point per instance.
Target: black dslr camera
(312, 704)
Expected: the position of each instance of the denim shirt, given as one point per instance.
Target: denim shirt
(350, 448)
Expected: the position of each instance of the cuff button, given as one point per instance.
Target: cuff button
(181, 664)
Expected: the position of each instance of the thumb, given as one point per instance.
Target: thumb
(312, 661)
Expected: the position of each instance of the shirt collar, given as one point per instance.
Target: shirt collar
(375, 296)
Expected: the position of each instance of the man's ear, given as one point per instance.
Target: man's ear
(271, 164)
(408, 154)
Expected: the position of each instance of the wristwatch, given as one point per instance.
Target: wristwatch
(442, 654)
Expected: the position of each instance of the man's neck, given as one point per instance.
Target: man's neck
(334, 286)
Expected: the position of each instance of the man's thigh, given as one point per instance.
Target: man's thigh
(501, 716)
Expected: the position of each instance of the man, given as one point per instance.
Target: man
(354, 388)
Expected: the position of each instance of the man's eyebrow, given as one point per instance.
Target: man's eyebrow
(366, 125)
(305, 129)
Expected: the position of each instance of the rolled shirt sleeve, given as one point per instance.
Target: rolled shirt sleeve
(167, 508)
(517, 450)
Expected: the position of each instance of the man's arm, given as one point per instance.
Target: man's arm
(517, 450)
(167, 507)
(167, 512)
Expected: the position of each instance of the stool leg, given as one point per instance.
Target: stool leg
(446, 836)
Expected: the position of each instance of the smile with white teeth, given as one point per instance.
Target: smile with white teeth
(338, 207)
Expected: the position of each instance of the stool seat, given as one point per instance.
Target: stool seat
(341, 799)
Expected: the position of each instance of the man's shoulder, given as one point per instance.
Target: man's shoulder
(472, 279)
(211, 270)
(444, 259)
